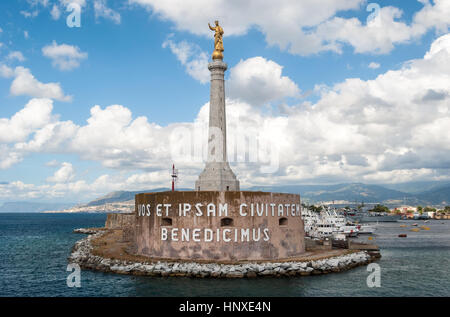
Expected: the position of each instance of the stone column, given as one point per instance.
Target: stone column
(217, 175)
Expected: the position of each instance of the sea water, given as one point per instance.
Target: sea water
(34, 248)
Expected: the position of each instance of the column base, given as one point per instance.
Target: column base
(217, 176)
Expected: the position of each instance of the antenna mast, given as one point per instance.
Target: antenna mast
(174, 176)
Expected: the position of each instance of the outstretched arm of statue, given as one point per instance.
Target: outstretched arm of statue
(211, 28)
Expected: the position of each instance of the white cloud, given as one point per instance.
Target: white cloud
(380, 36)
(159, 178)
(35, 115)
(258, 81)
(255, 80)
(60, 190)
(55, 7)
(102, 10)
(394, 127)
(81, 3)
(16, 55)
(28, 14)
(26, 35)
(374, 65)
(26, 84)
(8, 157)
(64, 57)
(54, 137)
(35, 7)
(55, 13)
(63, 175)
(238, 17)
(441, 44)
(34, 3)
(434, 14)
(192, 57)
(126, 138)
(357, 128)
(52, 163)
(6, 72)
(306, 27)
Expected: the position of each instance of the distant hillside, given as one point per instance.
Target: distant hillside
(437, 196)
(25, 206)
(417, 187)
(350, 192)
(354, 192)
(437, 193)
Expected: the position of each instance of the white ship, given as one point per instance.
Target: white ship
(327, 224)
(340, 223)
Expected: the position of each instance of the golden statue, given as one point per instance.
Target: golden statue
(218, 41)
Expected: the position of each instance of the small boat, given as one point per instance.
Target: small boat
(415, 224)
(415, 230)
(426, 221)
(349, 231)
(425, 227)
(402, 235)
(403, 226)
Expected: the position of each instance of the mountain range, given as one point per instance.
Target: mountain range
(353, 192)
(439, 194)
(419, 193)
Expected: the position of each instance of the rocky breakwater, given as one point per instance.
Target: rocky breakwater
(88, 230)
(82, 254)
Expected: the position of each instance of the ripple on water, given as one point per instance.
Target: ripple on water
(34, 250)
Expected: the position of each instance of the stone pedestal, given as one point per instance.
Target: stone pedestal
(217, 175)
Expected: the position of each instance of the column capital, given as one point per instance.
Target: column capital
(217, 64)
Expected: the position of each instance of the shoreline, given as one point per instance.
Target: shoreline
(89, 256)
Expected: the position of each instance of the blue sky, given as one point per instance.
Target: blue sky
(126, 63)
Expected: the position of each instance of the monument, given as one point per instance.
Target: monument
(217, 175)
(217, 221)
(213, 230)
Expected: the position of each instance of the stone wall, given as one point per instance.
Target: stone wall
(312, 245)
(119, 221)
(286, 232)
(82, 254)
